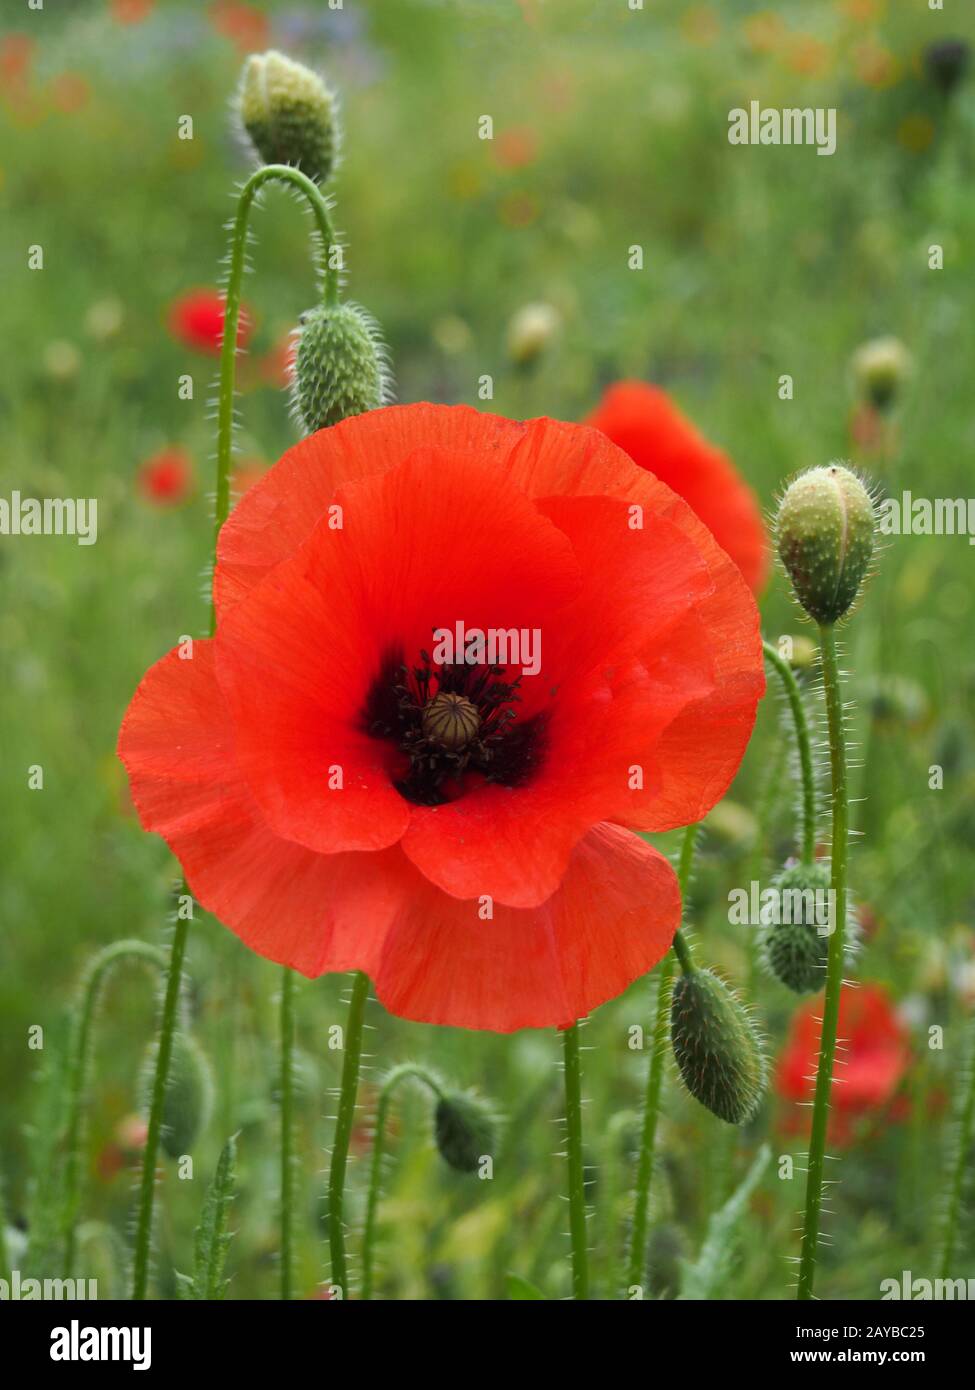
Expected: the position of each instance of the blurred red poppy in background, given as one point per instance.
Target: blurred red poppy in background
(347, 793)
(196, 319)
(644, 421)
(871, 1059)
(167, 477)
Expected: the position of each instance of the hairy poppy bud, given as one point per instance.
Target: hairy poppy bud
(465, 1130)
(717, 1047)
(189, 1095)
(794, 949)
(824, 532)
(881, 368)
(289, 114)
(340, 367)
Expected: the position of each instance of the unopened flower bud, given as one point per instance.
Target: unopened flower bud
(530, 331)
(189, 1094)
(340, 367)
(717, 1047)
(824, 533)
(465, 1130)
(289, 114)
(881, 368)
(795, 947)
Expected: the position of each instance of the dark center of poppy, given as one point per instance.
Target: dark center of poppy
(450, 720)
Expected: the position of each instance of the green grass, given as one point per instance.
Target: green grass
(758, 262)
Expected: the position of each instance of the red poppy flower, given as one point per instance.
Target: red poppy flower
(344, 795)
(196, 319)
(872, 1056)
(167, 477)
(644, 421)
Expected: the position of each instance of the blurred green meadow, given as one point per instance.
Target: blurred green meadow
(610, 132)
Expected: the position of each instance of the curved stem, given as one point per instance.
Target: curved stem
(282, 173)
(287, 1130)
(959, 1164)
(77, 1082)
(343, 1132)
(655, 1073)
(834, 964)
(147, 1188)
(798, 708)
(577, 1187)
(406, 1071)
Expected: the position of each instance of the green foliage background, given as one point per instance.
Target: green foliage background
(757, 262)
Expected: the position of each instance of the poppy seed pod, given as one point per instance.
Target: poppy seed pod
(465, 1130)
(795, 952)
(289, 114)
(340, 367)
(824, 532)
(717, 1047)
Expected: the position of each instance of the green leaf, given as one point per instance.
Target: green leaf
(212, 1235)
(520, 1288)
(708, 1274)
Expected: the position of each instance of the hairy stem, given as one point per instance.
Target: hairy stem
(150, 1157)
(77, 1082)
(804, 747)
(405, 1072)
(655, 1071)
(287, 1130)
(343, 1132)
(834, 965)
(577, 1186)
(958, 1163)
(281, 173)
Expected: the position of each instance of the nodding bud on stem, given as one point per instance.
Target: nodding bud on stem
(824, 532)
(289, 114)
(717, 1047)
(466, 1130)
(794, 950)
(340, 367)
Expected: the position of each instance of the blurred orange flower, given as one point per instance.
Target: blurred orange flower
(70, 91)
(515, 147)
(131, 11)
(196, 319)
(248, 27)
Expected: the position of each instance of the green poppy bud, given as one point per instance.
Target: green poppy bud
(881, 368)
(340, 367)
(189, 1094)
(289, 114)
(794, 949)
(717, 1047)
(465, 1129)
(824, 533)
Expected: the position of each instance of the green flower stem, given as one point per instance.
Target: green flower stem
(655, 1072)
(405, 1072)
(798, 708)
(577, 1186)
(77, 1082)
(282, 173)
(343, 1132)
(287, 1130)
(834, 963)
(150, 1157)
(958, 1165)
